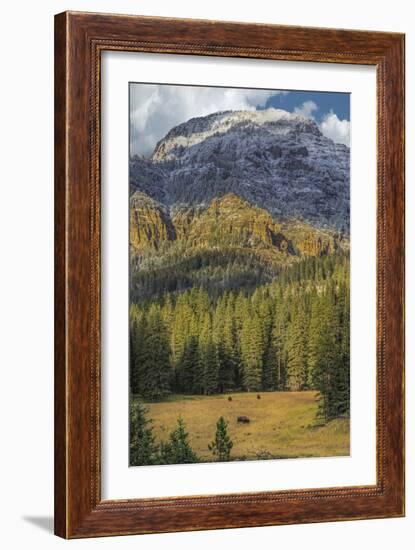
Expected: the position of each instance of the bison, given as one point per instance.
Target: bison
(243, 419)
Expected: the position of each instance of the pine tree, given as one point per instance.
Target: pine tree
(143, 450)
(317, 316)
(343, 370)
(181, 328)
(155, 370)
(230, 344)
(133, 374)
(252, 352)
(327, 358)
(221, 446)
(296, 346)
(167, 314)
(139, 353)
(269, 368)
(278, 349)
(225, 374)
(190, 373)
(210, 363)
(178, 450)
(268, 375)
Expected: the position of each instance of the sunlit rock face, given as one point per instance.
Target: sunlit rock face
(150, 223)
(228, 222)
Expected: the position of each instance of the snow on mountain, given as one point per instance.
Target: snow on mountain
(277, 160)
(197, 130)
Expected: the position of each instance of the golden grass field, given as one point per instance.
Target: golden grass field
(282, 424)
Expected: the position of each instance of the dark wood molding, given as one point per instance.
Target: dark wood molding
(79, 40)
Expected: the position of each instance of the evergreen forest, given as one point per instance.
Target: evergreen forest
(291, 334)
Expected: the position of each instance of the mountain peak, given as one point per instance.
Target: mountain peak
(197, 130)
(274, 159)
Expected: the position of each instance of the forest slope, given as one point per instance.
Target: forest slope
(228, 245)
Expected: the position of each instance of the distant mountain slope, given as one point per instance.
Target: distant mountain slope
(274, 159)
(230, 244)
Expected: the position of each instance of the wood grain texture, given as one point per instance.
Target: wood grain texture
(60, 278)
(79, 40)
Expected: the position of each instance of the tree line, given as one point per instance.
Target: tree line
(288, 335)
(172, 269)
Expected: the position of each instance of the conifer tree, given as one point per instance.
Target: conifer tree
(139, 354)
(278, 349)
(230, 344)
(225, 374)
(167, 314)
(177, 449)
(143, 450)
(133, 374)
(327, 361)
(343, 371)
(296, 346)
(317, 314)
(221, 446)
(210, 368)
(269, 368)
(181, 328)
(268, 376)
(190, 369)
(252, 352)
(154, 371)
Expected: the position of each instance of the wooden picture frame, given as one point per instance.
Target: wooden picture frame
(79, 40)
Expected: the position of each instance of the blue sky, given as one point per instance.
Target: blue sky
(338, 103)
(156, 108)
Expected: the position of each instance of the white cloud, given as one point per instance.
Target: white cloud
(155, 109)
(331, 126)
(336, 129)
(307, 109)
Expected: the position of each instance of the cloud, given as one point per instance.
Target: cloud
(307, 109)
(334, 128)
(155, 109)
(330, 125)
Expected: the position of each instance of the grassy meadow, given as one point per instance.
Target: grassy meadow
(282, 424)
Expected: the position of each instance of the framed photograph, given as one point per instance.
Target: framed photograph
(229, 275)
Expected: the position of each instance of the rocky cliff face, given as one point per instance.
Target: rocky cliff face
(275, 160)
(232, 220)
(228, 222)
(150, 223)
